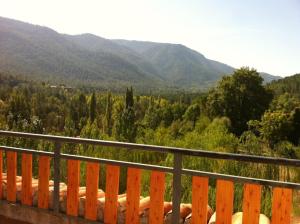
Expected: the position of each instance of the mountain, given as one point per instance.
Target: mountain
(86, 59)
(179, 64)
(269, 78)
(289, 85)
(40, 52)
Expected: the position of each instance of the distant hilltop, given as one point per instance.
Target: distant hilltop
(42, 53)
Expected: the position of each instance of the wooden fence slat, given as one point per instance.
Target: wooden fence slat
(73, 187)
(43, 188)
(92, 180)
(224, 206)
(1, 171)
(133, 196)
(282, 205)
(199, 200)
(251, 203)
(111, 194)
(11, 176)
(26, 193)
(157, 191)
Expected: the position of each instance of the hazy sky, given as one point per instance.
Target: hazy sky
(264, 34)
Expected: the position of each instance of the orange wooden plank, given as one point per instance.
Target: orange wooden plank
(92, 180)
(251, 203)
(1, 171)
(199, 200)
(11, 176)
(133, 195)
(73, 187)
(43, 190)
(224, 207)
(282, 205)
(157, 191)
(111, 194)
(26, 193)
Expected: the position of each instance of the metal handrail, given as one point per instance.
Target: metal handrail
(163, 149)
(177, 170)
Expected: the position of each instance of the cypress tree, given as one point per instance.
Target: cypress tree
(126, 124)
(93, 108)
(108, 115)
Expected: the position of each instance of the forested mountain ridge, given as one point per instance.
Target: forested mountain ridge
(289, 85)
(90, 60)
(43, 53)
(179, 64)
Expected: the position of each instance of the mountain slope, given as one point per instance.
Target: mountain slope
(179, 64)
(39, 51)
(87, 59)
(289, 84)
(98, 44)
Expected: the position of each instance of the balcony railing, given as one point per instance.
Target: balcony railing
(282, 191)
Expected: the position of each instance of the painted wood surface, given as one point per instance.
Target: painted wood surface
(157, 192)
(199, 200)
(251, 203)
(73, 187)
(44, 175)
(224, 200)
(92, 180)
(133, 195)
(282, 205)
(1, 171)
(111, 194)
(11, 176)
(26, 193)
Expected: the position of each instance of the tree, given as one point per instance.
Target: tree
(275, 127)
(192, 113)
(295, 120)
(126, 128)
(93, 108)
(108, 115)
(285, 102)
(240, 97)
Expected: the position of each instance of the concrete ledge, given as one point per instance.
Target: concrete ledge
(35, 215)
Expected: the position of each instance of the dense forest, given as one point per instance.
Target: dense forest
(239, 115)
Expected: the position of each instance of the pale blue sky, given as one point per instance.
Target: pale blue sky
(264, 34)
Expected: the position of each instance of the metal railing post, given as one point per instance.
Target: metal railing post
(176, 199)
(56, 176)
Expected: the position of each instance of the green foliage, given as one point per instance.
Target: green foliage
(180, 121)
(289, 85)
(295, 132)
(240, 97)
(93, 107)
(285, 102)
(275, 126)
(126, 127)
(108, 115)
(192, 113)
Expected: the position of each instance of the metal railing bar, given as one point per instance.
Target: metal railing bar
(159, 168)
(239, 179)
(29, 151)
(162, 149)
(118, 163)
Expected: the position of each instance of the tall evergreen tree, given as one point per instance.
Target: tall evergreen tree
(93, 108)
(126, 127)
(108, 115)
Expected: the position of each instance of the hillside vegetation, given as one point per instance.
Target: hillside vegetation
(290, 85)
(239, 115)
(88, 60)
